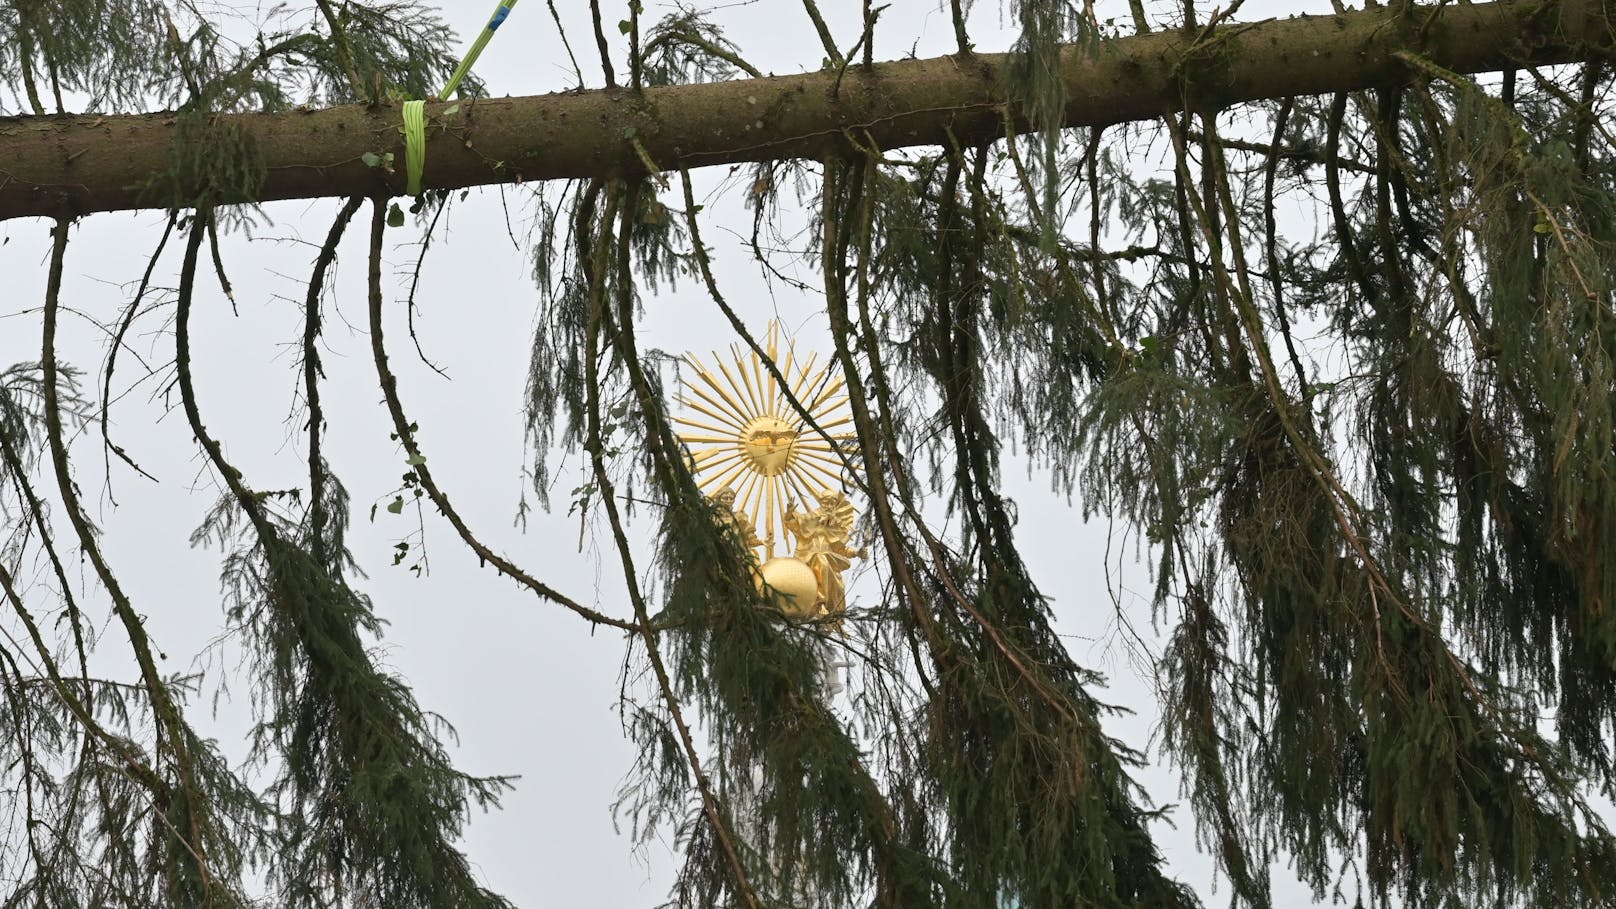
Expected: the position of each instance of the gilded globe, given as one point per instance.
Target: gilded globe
(795, 582)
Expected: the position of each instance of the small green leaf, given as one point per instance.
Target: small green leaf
(1542, 227)
(624, 26)
(395, 216)
(397, 505)
(415, 460)
(371, 159)
(451, 109)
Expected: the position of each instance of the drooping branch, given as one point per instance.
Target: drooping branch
(80, 164)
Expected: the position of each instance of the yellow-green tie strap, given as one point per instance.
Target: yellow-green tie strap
(414, 143)
(415, 111)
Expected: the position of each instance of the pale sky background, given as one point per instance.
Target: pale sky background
(531, 690)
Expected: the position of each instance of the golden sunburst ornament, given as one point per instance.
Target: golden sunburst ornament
(750, 442)
(760, 458)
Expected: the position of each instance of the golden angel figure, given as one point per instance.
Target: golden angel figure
(822, 542)
(725, 499)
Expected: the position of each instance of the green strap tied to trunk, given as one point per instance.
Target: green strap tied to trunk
(415, 111)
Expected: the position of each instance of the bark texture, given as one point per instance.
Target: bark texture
(78, 164)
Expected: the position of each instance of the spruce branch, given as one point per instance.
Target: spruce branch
(412, 448)
(173, 739)
(602, 264)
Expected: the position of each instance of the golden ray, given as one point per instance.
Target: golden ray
(724, 400)
(741, 388)
(811, 376)
(767, 387)
(710, 466)
(812, 402)
(810, 469)
(714, 463)
(729, 396)
(781, 405)
(824, 480)
(735, 405)
(809, 387)
(823, 459)
(821, 471)
(764, 391)
(731, 471)
(768, 517)
(833, 405)
(806, 367)
(826, 392)
(686, 421)
(803, 490)
(795, 385)
(747, 495)
(728, 476)
(777, 394)
(714, 476)
(716, 409)
(817, 470)
(833, 388)
(771, 341)
(755, 392)
(702, 459)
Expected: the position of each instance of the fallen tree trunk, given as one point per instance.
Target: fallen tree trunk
(74, 165)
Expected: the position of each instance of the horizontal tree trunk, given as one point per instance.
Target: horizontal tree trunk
(72, 165)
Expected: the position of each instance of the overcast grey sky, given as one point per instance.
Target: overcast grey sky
(530, 688)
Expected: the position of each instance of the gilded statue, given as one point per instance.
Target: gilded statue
(744, 528)
(822, 542)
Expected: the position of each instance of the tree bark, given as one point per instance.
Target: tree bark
(78, 164)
